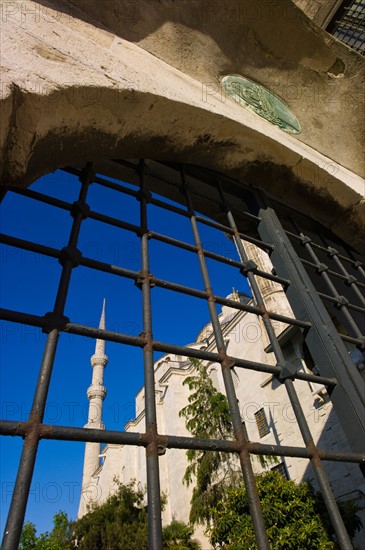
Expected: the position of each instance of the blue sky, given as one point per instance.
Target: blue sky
(29, 282)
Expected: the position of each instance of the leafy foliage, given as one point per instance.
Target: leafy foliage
(178, 536)
(60, 538)
(207, 416)
(294, 515)
(119, 523)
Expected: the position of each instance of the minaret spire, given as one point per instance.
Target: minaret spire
(100, 344)
(96, 394)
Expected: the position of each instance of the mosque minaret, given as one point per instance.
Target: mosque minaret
(96, 394)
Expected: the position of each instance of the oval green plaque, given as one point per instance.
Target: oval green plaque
(261, 101)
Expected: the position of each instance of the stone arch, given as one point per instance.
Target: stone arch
(62, 105)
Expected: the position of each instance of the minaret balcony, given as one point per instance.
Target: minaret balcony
(99, 360)
(96, 391)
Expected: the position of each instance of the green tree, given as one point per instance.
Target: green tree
(120, 522)
(60, 538)
(294, 516)
(178, 536)
(28, 539)
(207, 416)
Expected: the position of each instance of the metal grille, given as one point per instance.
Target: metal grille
(261, 422)
(245, 215)
(348, 25)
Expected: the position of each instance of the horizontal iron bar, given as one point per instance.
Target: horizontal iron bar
(227, 229)
(356, 341)
(29, 245)
(333, 299)
(41, 197)
(150, 172)
(115, 222)
(344, 278)
(319, 247)
(217, 257)
(138, 341)
(69, 433)
(104, 183)
(134, 275)
(173, 208)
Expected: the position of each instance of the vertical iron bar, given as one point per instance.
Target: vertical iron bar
(329, 499)
(15, 520)
(326, 278)
(326, 347)
(333, 253)
(226, 364)
(328, 496)
(353, 285)
(153, 477)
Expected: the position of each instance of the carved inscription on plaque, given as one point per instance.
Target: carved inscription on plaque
(261, 101)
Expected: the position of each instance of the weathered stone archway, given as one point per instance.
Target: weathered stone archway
(142, 80)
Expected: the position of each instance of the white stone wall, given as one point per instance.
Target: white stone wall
(244, 338)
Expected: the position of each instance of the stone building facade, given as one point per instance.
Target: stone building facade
(264, 406)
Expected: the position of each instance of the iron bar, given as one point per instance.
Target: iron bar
(348, 259)
(217, 257)
(226, 364)
(130, 274)
(97, 216)
(153, 477)
(340, 276)
(24, 477)
(335, 300)
(92, 332)
(41, 197)
(177, 210)
(286, 377)
(327, 493)
(69, 433)
(327, 349)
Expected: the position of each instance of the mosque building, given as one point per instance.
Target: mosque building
(265, 410)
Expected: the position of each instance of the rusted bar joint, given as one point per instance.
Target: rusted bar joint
(80, 207)
(287, 372)
(70, 254)
(265, 314)
(305, 240)
(144, 194)
(321, 268)
(248, 267)
(144, 277)
(340, 302)
(350, 280)
(226, 361)
(54, 321)
(154, 444)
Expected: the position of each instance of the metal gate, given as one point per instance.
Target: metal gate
(324, 281)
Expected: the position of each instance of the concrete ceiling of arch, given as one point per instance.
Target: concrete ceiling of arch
(142, 78)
